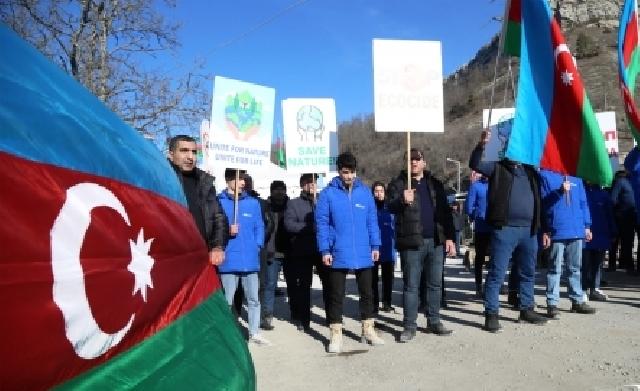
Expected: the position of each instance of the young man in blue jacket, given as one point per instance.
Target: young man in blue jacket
(348, 239)
(566, 223)
(242, 255)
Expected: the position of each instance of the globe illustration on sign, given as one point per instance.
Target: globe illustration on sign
(243, 115)
(310, 123)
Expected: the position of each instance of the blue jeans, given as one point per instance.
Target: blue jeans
(569, 253)
(270, 283)
(429, 258)
(250, 285)
(506, 243)
(592, 268)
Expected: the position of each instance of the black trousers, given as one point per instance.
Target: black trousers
(481, 242)
(337, 278)
(298, 273)
(627, 231)
(387, 283)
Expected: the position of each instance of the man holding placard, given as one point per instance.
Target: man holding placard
(424, 225)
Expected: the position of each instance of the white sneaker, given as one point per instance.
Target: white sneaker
(259, 340)
(585, 297)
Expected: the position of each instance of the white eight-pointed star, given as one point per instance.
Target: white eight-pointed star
(141, 264)
(567, 78)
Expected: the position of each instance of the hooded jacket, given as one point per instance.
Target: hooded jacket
(347, 224)
(216, 224)
(603, 226)
(564, 218)
(408, 217)
(476, 205)
(386, 223)
(242, 252)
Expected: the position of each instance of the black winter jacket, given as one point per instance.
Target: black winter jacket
(408, 219)
(216, 223)
(500, 176)
(299, 222)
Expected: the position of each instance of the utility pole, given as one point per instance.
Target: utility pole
(457, 162)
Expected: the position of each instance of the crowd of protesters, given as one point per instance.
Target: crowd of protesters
(519, 215)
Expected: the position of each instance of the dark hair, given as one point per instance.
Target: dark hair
(277, 184)
(173, 142)
(346, 160)
(376, 184)
(415, 153)
(230, 174)
(307, 178)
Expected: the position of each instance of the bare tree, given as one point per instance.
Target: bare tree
(109, 46)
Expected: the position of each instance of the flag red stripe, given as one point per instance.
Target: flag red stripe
(564, 136)
(515, 13)
(630, 39)
(34, 340)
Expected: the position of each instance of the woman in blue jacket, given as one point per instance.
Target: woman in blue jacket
(348, 239)
(386, 223)
(241, 258)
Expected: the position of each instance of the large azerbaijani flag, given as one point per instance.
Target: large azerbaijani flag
(629, 63)
(554, 125)
(104, 278)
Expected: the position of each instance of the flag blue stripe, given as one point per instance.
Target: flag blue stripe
(625, 15)
(535, 85)
(44, 111)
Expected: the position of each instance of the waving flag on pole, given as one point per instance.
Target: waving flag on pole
(554, 125)
(104, 278)
(511, 28)
(629, 63)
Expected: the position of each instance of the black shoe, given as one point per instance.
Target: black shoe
(552, 312)
(504, 290)
(530, 316)
(582, 308)
(598, 296)
(407, 335)
(513, 300)
(438, 329)
(300, 327)
(386, 308)
(491, 323)
(266, 323)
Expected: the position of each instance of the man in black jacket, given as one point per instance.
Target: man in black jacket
(202, 199)
(423, 225)
(513, 210)
(303, 253)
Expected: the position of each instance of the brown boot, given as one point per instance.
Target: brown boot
(369, 333)
(335, 338)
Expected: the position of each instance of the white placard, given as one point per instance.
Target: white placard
(241, 125)
(407, 81)
(310, 134)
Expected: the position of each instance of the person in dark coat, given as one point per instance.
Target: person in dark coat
(514, 207)
(302, 254)
(201, 195)
(424, 233)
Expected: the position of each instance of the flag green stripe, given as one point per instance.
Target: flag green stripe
(593, 161)
(511, 44)
(632, 70)
(203, 349)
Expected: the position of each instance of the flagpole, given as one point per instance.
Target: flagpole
(408, 160)
(313, 178)
(235, 198)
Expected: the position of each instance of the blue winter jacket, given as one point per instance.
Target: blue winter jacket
(632, 164)
(347, 224)
(562, 218)
(387, 225)
(242, 253)
(475, 205)
(603, 227)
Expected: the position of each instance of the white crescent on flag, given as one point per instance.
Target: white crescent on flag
(69, 293)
